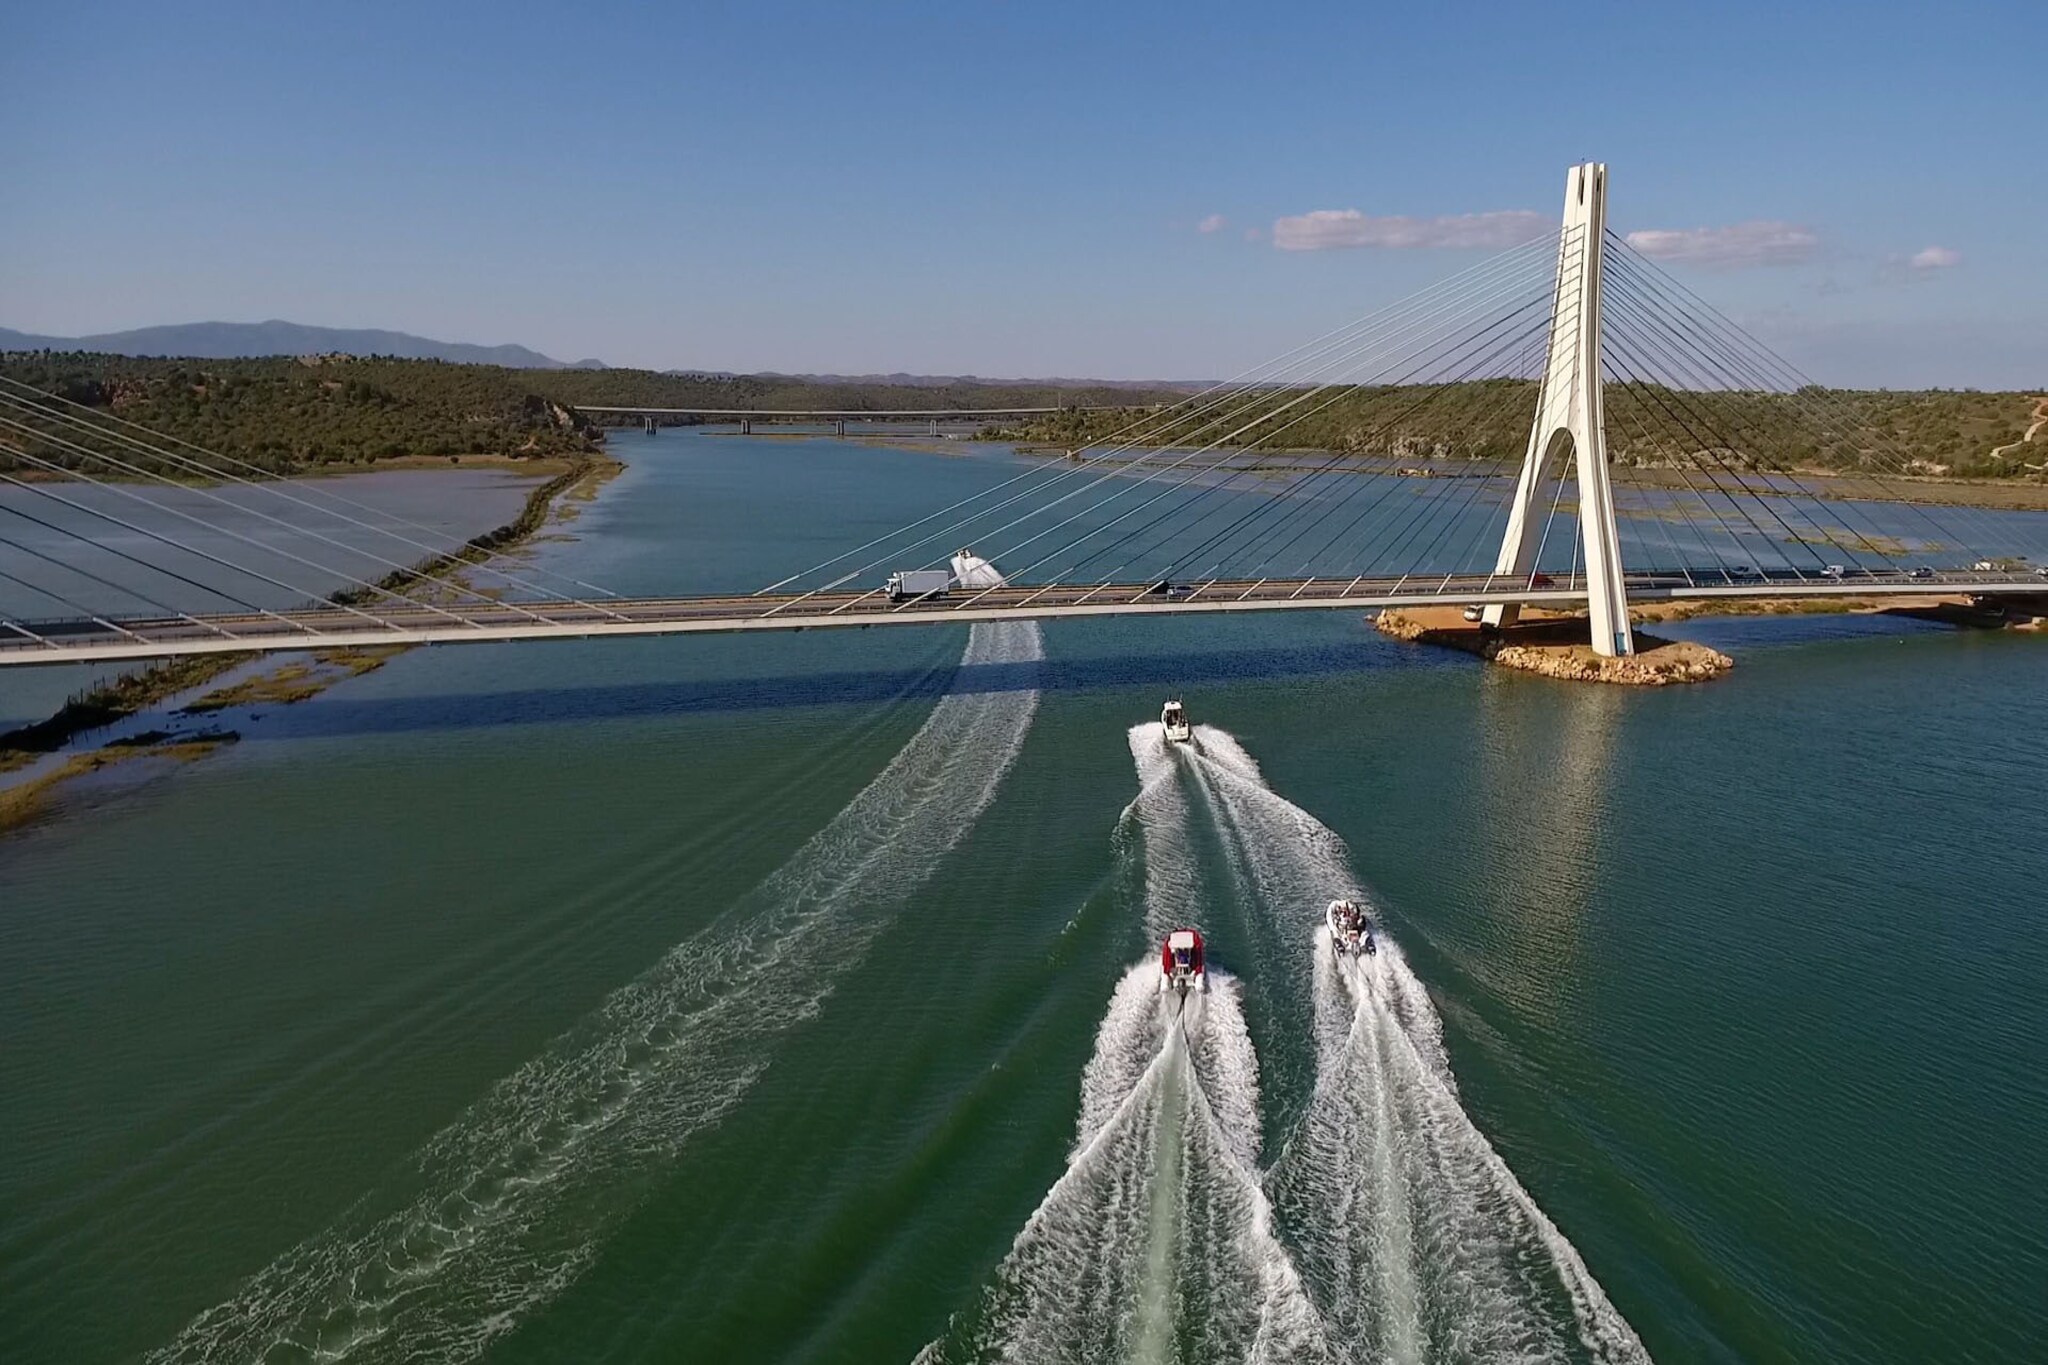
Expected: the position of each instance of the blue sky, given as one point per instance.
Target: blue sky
(1013, 189)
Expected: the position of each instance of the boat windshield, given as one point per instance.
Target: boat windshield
(1181, 956)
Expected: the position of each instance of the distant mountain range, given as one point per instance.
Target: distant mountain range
(233, 340)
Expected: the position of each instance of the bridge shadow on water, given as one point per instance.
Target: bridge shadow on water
(339, 716)
(1155, 674)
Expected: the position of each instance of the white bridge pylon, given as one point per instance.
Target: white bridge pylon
(1569, 420)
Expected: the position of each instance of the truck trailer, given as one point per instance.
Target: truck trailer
(919, 583)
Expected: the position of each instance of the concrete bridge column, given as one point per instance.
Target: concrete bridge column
(935, 426)
(746, 426)
(1570, 424)
(839, 427)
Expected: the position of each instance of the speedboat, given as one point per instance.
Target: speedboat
(1180, 963)
(1350, 930)
(1173, 717)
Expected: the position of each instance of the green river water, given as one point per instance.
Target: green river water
(785, 999)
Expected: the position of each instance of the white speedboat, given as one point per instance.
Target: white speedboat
(970, 570)
(1181, 967)
(1350, 930)
(1173, 718)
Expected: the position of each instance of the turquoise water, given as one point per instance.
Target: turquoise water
(747, 998)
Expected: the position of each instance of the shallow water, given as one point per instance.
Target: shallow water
(735, 998)
(304, 537)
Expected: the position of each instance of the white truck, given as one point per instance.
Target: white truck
(919, 583)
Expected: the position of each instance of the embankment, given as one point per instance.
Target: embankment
(165, 684)
(1557, 647)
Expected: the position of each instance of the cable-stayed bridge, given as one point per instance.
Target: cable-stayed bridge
(1564, 424)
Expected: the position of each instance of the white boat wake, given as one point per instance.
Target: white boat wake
(508, 1204)
(1416, 1240)
(1156, 1243)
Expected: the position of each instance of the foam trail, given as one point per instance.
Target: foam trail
(507, 1205)
(1156, 1243)
(1415, 1238)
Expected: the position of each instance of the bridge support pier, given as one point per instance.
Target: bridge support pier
(839, 427)
(935, 426)
(746, 426)
(1570, 422)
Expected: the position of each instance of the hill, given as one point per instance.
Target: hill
(294, 413)
(1944, 433)
(235, 340)
(297, 413)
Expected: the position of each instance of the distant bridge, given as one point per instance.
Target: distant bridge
(839, 417)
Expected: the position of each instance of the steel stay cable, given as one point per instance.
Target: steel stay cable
(1286, 497)
(1754, 364)
(8, 401)
(1377, 492)
(1640, 395)
(91, 544)
(1434, 345)
(188, 549)
(1393, 483)
(1808, 397)
(1291, 362)
(314, 598)
(1710, 559)
(85, 613)
(1225, 485)
(1674, 390)
(1679, 394)
(1473, 366)
(1535, 340)
(1388, 484)
(1818, 405)
(1402, 324)
(1626, 362)
(1627, 412)
(106, 422)
(1265, 418)
(210, 496)
(1668, 393)
(1440, 351)
(1476, 483)
(1562, 316)
(1329, 466)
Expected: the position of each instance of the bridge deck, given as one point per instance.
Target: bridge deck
(109, 640)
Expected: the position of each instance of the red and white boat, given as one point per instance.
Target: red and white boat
(1180, 963)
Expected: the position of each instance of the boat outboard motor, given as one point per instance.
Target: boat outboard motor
(1180, 963)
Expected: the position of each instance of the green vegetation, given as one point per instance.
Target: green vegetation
(293, 414)
(1944, 434)
(290, 415)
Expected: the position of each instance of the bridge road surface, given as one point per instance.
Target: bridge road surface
(112, 639)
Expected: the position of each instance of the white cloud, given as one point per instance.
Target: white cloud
(1733, 247)
(1215, 222)
(1934, 258)
(1331, 229)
